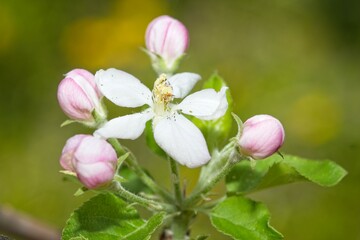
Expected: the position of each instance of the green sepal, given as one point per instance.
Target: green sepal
(277, 170)
(159, 64)
(121, 159)
(97, 118)
(67, 122)
(107, 217)
(90, 124)
(80, 191)
(243, 219)
(239, 124)
(69, 176)
(217, 131)
(150, 141)
(202, 237)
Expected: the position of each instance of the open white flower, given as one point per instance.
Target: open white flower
(173, 132)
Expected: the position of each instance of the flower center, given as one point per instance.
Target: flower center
(162, 94)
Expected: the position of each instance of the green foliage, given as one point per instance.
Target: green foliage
(106, 217)
(216, 131)
(132, 181)
(275, 170)
(243, 219)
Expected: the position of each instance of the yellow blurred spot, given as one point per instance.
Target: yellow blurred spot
(315, 118)
(113, 40)
(7, 29)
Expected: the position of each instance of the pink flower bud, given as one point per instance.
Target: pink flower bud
(78, 95)
(168, 38)
(262, 135)
(91, 158)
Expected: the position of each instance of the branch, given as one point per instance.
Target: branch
(24, 226)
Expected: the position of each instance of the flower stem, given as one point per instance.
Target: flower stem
(133, 164)
(180, 225)
(229, 157)
(118, 190)
(175, 178)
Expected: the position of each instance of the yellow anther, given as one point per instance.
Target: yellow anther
(162, 92)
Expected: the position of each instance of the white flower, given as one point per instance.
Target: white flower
(173, 132)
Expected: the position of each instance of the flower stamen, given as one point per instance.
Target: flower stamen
(162, 93)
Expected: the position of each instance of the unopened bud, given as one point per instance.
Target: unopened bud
(79, 96)
(261, 136)
(91, 158)
(166, 40)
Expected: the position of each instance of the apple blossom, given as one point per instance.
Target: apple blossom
(91, 158)
(261, 136)
(166, 40)
(79, 96)
(173, 132)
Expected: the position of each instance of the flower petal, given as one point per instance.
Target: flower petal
(181, 140)
(93, 149)
(167, 37)
(125, 127)
(182, 83)
(122, 88)
(96, 174)
(206, 104)
(68, 151)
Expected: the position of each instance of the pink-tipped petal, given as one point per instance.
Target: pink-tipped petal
(69, 150)
(95, 175)
(262, 136)
(88, 76)
(78, 95)
(93, 149)
(91, 158)
(167, 37)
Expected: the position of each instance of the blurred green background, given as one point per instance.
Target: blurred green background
(298, 60)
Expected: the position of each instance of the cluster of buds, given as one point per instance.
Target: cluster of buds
(93, 160)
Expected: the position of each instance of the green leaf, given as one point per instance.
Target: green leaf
(243, 219)
(145, 231)
(106, 217)
(150, 140)
(132, 182)
(275, 170)
(216, 131)
(324, 173)
(244, 177)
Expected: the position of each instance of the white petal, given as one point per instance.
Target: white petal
(206, 104)
(182, 83)
(222, 108)
(181, 140)
(122, 88)
(125, 127)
